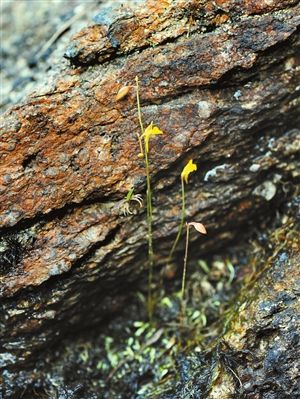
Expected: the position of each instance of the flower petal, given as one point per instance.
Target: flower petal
(189, 168)
(151, 130)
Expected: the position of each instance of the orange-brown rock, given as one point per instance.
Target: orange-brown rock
(221, 79)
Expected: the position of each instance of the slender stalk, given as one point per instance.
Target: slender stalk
(150, 240)
(185, 261)
(181, 222)
(183, 281)
(149, 205)
(139, 115)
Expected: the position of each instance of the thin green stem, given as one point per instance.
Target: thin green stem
(185, 261)
(183, 281)
(139, 115)
(182, 218)
(149, 206)
(150, 240)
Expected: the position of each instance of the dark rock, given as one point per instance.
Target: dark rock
(225, 92)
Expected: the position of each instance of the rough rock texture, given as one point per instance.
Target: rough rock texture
(32, 36)
(221, 79)
(264, 333)
(258, 354)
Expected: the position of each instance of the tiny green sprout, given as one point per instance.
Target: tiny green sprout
(199, 318)
(141, 329)
(167, 302)
(204, 266)
(84, 355)
(163, 372)
(186, 171)
(102, 365)
(231, 270)
(129, 195)
(107, 343)
(125, 204)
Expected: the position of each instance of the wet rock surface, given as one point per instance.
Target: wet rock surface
(261, 346)
(239, 339)
(221, 81)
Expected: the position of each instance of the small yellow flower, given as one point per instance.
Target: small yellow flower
(151, 130)
(189, 167)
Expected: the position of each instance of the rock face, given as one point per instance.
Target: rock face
(257, 356)
(263, 337)
(221, 79)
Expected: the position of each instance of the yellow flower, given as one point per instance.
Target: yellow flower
(151, 130)
(189, 167)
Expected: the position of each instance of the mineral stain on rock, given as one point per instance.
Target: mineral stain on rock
(221, 79)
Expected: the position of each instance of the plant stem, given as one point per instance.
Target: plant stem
(149, 206)
(185, 261)
(150, 241)
(184, 271)
(139, 115)
(181, 222)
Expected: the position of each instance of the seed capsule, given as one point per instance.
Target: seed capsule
(122, 93)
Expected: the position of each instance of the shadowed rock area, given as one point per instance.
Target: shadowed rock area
(221, 80)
